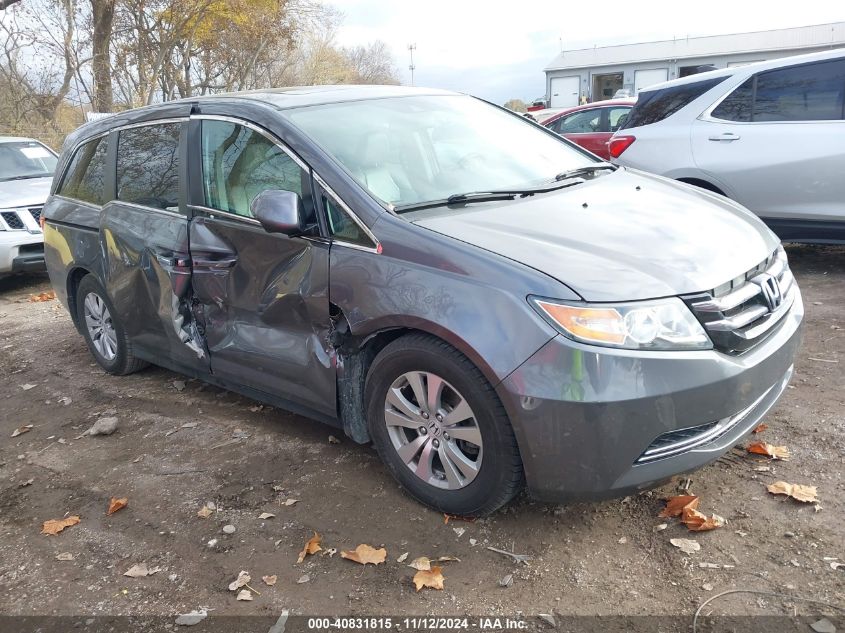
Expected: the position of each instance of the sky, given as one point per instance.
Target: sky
(497, 50)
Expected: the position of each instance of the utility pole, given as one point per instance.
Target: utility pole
(411, 49)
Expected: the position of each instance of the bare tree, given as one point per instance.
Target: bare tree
(102, 17)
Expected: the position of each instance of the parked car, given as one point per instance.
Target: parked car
(26, 172)
(487, 309)
(591, 125)
(768, 135)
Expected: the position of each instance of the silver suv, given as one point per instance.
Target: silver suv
(26, 173)
(768, 135)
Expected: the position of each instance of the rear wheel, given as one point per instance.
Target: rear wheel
(440, 428)
(104, 334)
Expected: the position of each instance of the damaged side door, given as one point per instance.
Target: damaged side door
(144, 234)
(261, 299)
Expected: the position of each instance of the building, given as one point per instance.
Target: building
(593, 74)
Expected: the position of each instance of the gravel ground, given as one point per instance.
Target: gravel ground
(181, 444)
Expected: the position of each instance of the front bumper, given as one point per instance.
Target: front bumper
(585, 416)
(21, 252)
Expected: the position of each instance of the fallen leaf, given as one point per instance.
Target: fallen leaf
(834, 565)
(64, 556)
(269, 580)
(421, 564)
(764, 448)
(311, 547)
(365, 554)
(117, 504)
(687, 546)
(244, 594)
(402, 558)
(204, 512)
(760, 428)
(192, 618)
(660, 527)
(303, 579)
(290, 502)
(805, 494)
(333, 440)
(54, 526)
(42, 296)
(141, 570)
(242, 579)
(266, 515)
(432, 578)
(675, 505)
(507, 581)
(700, 522)
(21, 430)
(28, 386)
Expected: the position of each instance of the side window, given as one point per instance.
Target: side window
(85, 176)
(616, 117)
(239, 163)
(554, 126)
(148, 166)
(584, 122)
(344, 228)
(809, 92)
(737, 105)
(655, 105)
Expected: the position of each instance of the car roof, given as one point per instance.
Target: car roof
(627, 101)
(302, 96)
(750, 69)
(17, 139)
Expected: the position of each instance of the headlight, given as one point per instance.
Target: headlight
(665, 324)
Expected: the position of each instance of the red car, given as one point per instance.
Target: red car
(591, 125)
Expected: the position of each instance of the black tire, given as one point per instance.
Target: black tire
(500, 475)
(124, 361)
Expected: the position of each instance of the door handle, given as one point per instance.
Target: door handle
(724, 136)
(214, 264)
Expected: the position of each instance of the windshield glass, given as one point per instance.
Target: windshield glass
(408, 150)
(25, 159)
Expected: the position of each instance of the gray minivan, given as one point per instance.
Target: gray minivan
(485, 302)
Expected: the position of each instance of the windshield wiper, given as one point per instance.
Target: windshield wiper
(481, 196)
(583, 171)
(26, 177)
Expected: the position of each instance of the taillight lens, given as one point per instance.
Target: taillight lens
(619, 144)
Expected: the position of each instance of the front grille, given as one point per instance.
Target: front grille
(12, 220)
(743, 312)
(35, 212)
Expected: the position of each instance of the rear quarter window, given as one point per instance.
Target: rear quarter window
(655, 105)
(85, 178)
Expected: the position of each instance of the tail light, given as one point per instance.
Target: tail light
(619, 144)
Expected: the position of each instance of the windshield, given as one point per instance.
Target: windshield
(409, 150)
(25, 159)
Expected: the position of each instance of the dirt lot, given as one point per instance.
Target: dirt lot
(598, 558)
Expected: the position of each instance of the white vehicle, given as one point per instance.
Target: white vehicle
(770, 136)
(26, 174)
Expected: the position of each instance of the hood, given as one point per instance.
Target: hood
(31, 192)
(620, 237)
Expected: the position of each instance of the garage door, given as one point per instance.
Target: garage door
(645, 78)
(564, 92)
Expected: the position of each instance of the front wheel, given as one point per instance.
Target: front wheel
(440, 428)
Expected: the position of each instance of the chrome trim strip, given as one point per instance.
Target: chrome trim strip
(728, 301)
(377, 245)
(255, 128)
(131, 126)
(225, 214)
(143, 207)
(738, 321)
(90, 205)
(724, 425)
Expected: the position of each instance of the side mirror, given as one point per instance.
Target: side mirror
(279, 212)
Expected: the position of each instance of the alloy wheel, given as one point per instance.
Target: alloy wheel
(433, 430)
(100, 328)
